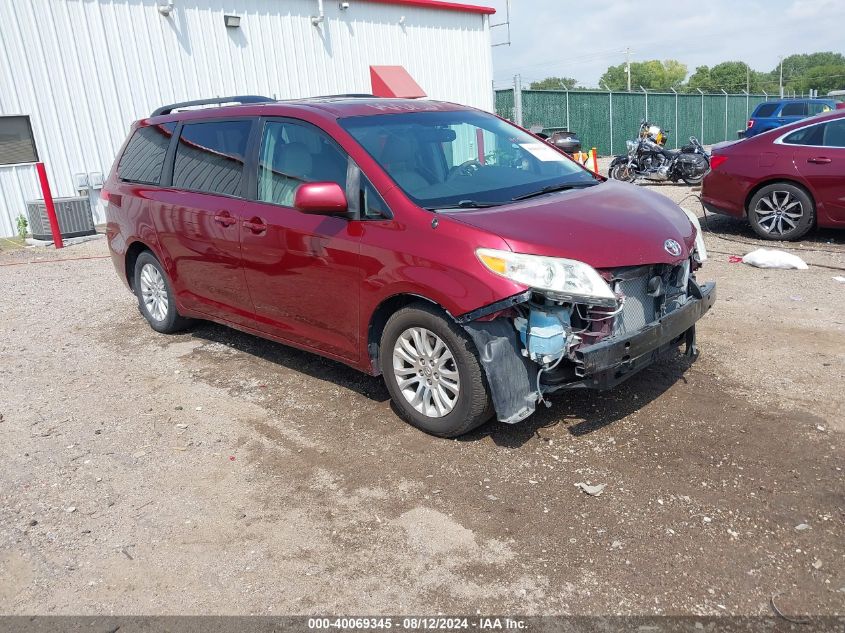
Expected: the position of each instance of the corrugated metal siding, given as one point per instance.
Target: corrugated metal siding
(85, 69)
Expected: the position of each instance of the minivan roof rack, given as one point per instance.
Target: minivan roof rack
(239, 99)
(351, 95)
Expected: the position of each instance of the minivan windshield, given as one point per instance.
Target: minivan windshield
(463, 158)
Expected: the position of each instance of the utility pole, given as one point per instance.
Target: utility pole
(781, 76)
(517, 99)
(628, 65)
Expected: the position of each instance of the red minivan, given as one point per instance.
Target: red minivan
(472, 265)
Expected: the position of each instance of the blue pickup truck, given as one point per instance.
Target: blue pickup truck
(772, 114)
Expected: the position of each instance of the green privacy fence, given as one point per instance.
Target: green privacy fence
(605, 120)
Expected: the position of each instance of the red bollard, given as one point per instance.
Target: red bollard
(48, 203)
(595, 160)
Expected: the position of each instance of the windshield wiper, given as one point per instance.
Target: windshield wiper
(466, 204)
(553, 188)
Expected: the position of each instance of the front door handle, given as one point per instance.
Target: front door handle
(256, 225)
(225, 218)
(820, 160)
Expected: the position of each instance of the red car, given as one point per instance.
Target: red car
(473, 265)
(785, 181)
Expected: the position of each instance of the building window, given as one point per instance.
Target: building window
(210, 157)
(16, 142)
(144, 155)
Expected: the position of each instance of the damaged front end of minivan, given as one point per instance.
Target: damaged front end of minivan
(577, 327)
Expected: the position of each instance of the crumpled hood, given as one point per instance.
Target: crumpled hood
(610, 225)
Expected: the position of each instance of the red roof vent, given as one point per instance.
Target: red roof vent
(394, 81)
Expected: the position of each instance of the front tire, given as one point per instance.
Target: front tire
(155, 296)
(619, 171)
(781, 211)
(432, 372)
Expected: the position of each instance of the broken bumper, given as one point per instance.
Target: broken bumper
(613, 360)
(513, 378)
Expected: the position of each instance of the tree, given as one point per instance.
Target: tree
(823, 71)
(554, 83)
(728, 76)
(651, 75)
(822, 78)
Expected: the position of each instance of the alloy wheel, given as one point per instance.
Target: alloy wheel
(154, 292)
(426, 372)
(778, 212)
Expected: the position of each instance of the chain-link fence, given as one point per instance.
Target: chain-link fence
(605, 120)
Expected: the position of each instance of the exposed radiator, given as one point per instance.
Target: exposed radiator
(639, 307)
(74, 215)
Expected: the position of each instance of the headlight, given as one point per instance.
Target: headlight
(699, 238)
(562, 279)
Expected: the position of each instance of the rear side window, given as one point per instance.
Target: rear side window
(210, 156)
(765, 110)
(144, 155)
(794, 109)
(834, 133)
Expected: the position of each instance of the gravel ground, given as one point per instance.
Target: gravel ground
(214, 472)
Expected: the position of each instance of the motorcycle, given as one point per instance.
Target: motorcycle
(647, 158)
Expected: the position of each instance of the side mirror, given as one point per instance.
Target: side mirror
(321, 198)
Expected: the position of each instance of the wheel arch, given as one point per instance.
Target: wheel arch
(132, 253)
(380, 316)
(776, 180)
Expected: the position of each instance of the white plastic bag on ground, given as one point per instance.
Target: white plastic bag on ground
(767, 258)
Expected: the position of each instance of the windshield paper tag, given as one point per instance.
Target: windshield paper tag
(542, 152)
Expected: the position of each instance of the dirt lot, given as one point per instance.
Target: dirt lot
(215, 472)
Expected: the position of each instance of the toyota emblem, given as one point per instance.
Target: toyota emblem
(672, 247)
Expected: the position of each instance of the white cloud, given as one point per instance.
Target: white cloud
(581, 39)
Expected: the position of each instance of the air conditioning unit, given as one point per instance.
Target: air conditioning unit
(74, 215)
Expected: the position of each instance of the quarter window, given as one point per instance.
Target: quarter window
(210, 156)
(806, 136)
(143, 157)
(794, 109)
(373, 206)
(16, 142)
(294, 153)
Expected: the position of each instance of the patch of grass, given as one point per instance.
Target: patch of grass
(11, 243)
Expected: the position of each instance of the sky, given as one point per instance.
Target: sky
(581, 39)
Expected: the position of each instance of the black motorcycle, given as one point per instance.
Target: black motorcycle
(648, 159)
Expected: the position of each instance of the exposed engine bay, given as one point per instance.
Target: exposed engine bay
(537, 343)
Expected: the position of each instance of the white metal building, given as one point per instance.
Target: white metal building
(75, 73)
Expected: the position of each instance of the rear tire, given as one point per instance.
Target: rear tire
(431, 369)
(155, 296)
(693, 181)
(781, 211)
